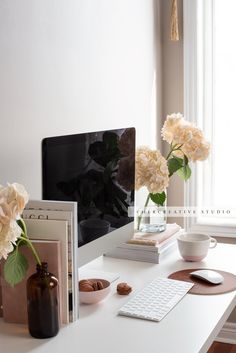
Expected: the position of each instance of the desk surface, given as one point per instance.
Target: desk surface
(189, 328)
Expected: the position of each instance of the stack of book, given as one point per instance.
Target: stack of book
(52, 226)
(148, 247)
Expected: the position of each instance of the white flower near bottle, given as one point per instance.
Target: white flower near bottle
(13, 199)
(9, 233)
(42, 287)
(13, 232)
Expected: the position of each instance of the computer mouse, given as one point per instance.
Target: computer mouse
(209, 276)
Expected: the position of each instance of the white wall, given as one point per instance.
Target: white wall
(69, 67)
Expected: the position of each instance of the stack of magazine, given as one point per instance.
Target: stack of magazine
(52, 226)
(148, 247)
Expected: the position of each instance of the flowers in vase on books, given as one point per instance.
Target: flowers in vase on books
(187, 144)
(13, 232)
(151, 170)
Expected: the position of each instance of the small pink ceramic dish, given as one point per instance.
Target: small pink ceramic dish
(95, 296)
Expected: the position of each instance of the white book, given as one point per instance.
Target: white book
(63, 210)
(145, 256)
(171, 228)
(54, 230)
(150, 248)
(147, 253)
(55, 215)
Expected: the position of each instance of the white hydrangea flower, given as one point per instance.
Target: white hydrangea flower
(9, 233)
(6, 247)
(170, 125)
(177, 130)
(17, 197)
(151, 170)
(13, 199)
(5, 213)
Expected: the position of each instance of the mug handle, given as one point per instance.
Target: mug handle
(214, 243)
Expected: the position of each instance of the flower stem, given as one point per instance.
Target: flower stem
(23, 227)
(173, 148)
(32, 248)
(169, 154)
(140, 217)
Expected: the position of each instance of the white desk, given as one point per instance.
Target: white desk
(190, 327)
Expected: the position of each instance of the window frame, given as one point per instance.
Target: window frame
(194, 95)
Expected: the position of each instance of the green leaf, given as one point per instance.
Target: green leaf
(184, 172)
(174, 164)
(15, 268)
(158, 199)
(185, 160)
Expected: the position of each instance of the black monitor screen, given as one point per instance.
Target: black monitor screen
(95, 169)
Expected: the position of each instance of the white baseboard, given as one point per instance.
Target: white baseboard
(228, 333)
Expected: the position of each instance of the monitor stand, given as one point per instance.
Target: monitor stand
(104, 244)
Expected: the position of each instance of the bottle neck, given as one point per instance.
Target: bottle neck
(43, 268)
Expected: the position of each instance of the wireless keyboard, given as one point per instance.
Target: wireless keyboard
(156, 300)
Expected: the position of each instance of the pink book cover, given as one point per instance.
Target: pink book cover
(14, 300)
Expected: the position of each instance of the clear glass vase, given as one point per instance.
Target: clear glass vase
(151, 218)
(154, 220)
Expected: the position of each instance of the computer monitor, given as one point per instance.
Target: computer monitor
(97, 170)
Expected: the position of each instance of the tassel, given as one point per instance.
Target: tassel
(174, 30)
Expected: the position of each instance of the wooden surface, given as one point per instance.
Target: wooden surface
(202, 287)
(218, 347)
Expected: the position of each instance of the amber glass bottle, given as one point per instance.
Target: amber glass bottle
(42, 303)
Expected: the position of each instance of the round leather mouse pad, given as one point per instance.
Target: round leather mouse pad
(203, 288)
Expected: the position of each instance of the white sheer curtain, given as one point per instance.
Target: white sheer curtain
(210, 76)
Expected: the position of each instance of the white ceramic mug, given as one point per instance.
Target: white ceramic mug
(194, 246)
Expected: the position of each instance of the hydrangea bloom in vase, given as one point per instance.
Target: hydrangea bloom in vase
(187, 144)
(42, 296)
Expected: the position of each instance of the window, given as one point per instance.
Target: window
(210, 73)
